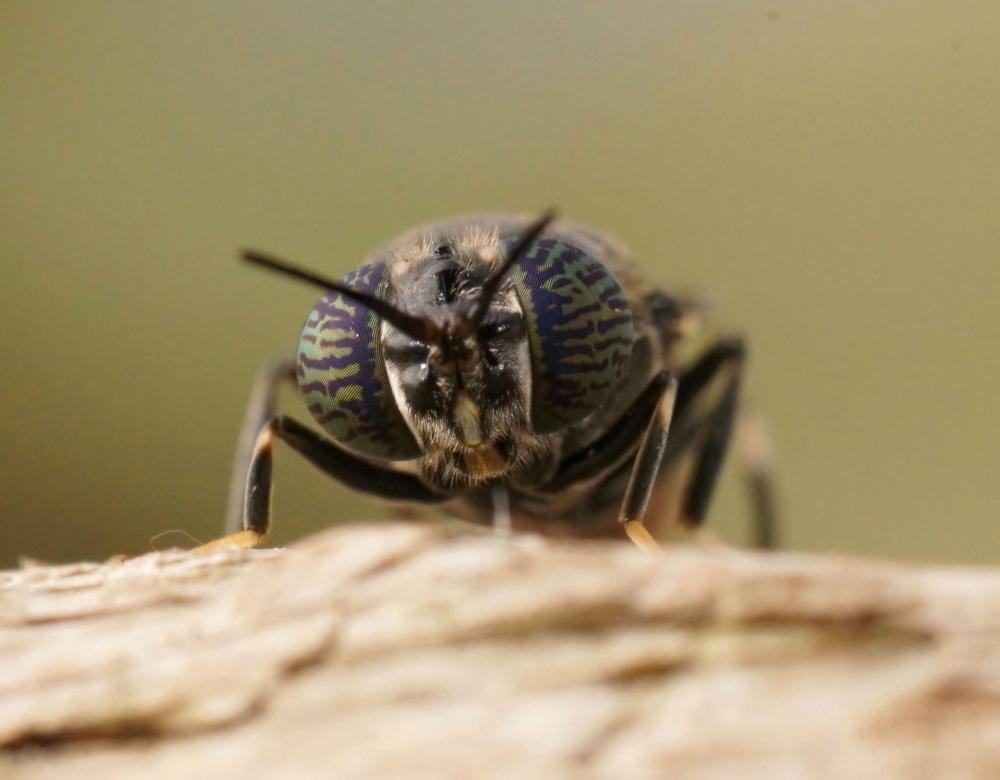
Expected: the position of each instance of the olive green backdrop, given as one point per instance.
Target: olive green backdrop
(828, 173)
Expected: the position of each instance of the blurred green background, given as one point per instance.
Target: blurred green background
(828, 173)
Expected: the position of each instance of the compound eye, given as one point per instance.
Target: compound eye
(579, 328)
(342, 375)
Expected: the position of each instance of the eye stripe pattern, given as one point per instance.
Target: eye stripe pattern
(580, 331)
(342, 374)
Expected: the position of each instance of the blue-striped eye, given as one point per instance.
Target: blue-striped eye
(342, 373)
(579, 329)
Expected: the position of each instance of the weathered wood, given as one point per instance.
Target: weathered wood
(410, 651)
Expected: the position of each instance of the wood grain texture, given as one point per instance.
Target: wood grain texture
(412, 651)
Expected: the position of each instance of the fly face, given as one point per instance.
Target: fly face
(466, 397)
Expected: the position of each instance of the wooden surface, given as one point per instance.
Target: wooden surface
(408, 651)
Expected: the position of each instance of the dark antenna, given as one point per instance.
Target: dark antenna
(415, 327)
(517, 253)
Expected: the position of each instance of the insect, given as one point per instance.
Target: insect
(508, 370)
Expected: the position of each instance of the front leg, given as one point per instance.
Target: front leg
(703, 407)
(260, 409)
(648, 417)
(350, 470)
(646, 468)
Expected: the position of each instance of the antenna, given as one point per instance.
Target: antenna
(492, 285)
(418, 328)
(415, 327)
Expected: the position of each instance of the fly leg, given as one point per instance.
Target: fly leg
(753, 445)
(646, 469)
(705, 413)
(716, 428)
(708, 402)
(704, 403)
(348, 469)
(260, 409)
(646, 421)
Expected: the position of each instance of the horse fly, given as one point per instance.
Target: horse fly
(509, 370)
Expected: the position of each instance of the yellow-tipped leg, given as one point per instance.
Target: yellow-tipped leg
(243, 540)
(640, 535)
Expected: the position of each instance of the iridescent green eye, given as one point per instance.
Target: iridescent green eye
(342, 372)
(579, 329)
